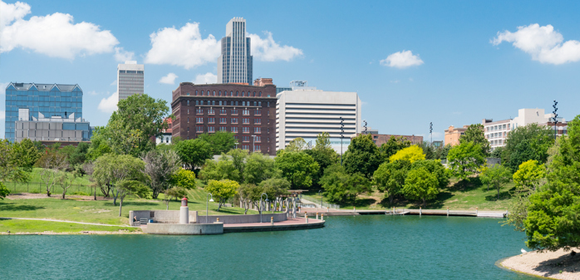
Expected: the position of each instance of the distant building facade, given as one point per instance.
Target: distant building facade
(306, 112)
(166, 134)
(496, 132)
(381, 139)
(235, 61)
(52, 130)
(130, 79)
(42, 101)
(453, 134)
(247, 111)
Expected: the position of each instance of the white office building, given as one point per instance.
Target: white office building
(130, 79)
(497, 132)
(306, 112)
(235, 62)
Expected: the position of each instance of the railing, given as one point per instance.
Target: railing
(39, 187)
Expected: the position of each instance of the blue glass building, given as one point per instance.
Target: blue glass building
(48, 99)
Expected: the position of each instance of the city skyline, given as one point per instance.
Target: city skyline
(450, 63)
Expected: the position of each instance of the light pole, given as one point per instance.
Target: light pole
(431, 132)
(555, 119)
(261, 204)
(364, 121)
(320, 198)
(207, 207)
(341, 136)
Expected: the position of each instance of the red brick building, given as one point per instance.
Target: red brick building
(381, 139)
(247, 111)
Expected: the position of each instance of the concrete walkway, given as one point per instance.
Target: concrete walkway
(64, 221)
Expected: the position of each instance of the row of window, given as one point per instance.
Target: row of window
(233, 129)
(231, 103)
(225, 120)
(225, 93)
(211, 111)
(29, 104)
(496, 135)
(498, 127)
(496, 142)
(34, 93)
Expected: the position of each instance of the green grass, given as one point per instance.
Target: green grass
(80, 185)
(465, 195)
(15, 226)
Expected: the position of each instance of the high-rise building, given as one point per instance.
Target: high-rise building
(249, 112)
(130, 79)
(42, 101)
(306, 112)
(235, 62)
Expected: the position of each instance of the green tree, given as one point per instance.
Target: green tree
(259, 167)
(184, 179)
(99, 145)
(4, 191)
(475, 134)
(298, 168)
(552, 220)
(497, 152)
(115, 171)
(428, 150)
(249, 195)
(221, 169)
(362, 156)
(12, 167)
(297, 145)
(528, 176)
(324, 155)
(434, 167)
(495, 176)
(126, 187)
(275, 187)
(138, 119)
(390, 177)
(79, 154)
(52, 163)
(411, 154)
(420, 184)
(392, 146)
(342, 187)
(160, 167)
(193, 153)
(26, 153)
(222, 190)
(220, 141)
(239, 157)
(525, 143)
(465, 158)
(442, 152)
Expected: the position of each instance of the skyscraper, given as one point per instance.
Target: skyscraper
(130, 79)
(235, 61)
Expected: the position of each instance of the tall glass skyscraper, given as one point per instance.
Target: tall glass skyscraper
(47, 99)
(235, 61)
(130, 79)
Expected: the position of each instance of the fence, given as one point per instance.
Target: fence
(39, 187)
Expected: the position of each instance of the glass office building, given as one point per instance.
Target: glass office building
(50, 100)
(235, 61)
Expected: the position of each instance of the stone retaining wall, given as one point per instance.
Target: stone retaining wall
(160, 216)
(242, 219)
(184, 229)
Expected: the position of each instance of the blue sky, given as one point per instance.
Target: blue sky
(411, 62)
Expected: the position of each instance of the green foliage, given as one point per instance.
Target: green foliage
(442, 152)
(529, 175)
(411, 154)
(193, 153)
(390, 177)
(4, 191)
(221, 169)
(238, 157)
(342, 187)
(297, 145)
(436, 168)
(553, 220)
(12, 166)
(222, 190)
(298, 168)
(475, 134)
(495, 176)
(392, 146)
(362, 156)
(99, 145)
(184, 179)
(111, 169)
(259, 167)
(26, 153)
(497, 152)
(324, 155)
(428, 150)
(525, 143)
(161, 167)
(323, 141)
(275, 187)
(465, 158)
(79, 154)
(138, 119)
(220, 141)
(420, 184)
(175, 193)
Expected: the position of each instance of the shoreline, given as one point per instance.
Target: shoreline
(118, 232)
(547, 265)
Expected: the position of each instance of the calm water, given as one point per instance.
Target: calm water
(362, 247)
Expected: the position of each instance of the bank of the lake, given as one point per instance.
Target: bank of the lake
(362, 247)
(555, 265)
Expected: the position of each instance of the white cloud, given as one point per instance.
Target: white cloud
(54, 35)
(109, 104)
(542, 43)
(207, 78)
(114, 83)
(268, 50)
(182, 47)
(402, 59)
(169, 79)
(122, 55)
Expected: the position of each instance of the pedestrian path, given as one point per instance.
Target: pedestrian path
(63, 221)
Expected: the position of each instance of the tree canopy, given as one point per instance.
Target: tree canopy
(220, 141)
(392, 146)
(362, 156)
(465, 158)
(194, 152)
(495, 176)
(342, 187)
(420, 184)
(525, 143)
(297, 167)
(222, 190)
(411, 154)
(390, 177)
(475, 134)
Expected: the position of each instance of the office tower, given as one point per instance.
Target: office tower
(247, 111)
(306, 112)
(130, 79)
(235, 61)
(42, 101)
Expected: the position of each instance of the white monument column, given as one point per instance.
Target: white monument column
(184, 212)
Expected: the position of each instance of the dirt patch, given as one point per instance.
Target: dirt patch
(556, 265)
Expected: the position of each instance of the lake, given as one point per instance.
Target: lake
(349, 247)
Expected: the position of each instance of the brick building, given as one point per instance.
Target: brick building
(452, 134)
(247, 111)
(381, 139)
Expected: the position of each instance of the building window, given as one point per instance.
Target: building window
(210, 129)
(257, 148)
(231, 93)
(254, 94)
(258, 139)
(236, 93)
(245, 129)
(223, 128)
(260, 94)
(187, 120)
(257, 121)
(234, 129)
(259, 103)
(199, 111)
(199, 129)
(219, 93)
(242, 94)
(245, 147)
(234, 111)
(196, 102)
(211, 112)
(258, 112)
(196, 93)
(188, 94)
(234, 120)
(223, 120)
(210, 120)
(213, 93)
(198, 120)
(202, 93)
(246, 112)
(246, 138)
(188, 111)
(223, 112)
(245, 120)
(257, 130)
(187, 102)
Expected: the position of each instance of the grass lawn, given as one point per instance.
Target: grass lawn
(80, 185)
(458, 196)
(15, 226)
(103, 211)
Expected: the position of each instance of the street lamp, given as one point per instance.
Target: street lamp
(341, 136)
(261, 204)
(207, 207)
(555, 119)
(320, 198)
(431, 132)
